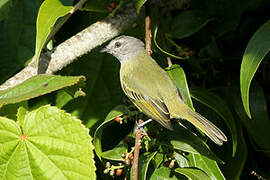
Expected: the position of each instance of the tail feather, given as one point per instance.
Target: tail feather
(214, 133)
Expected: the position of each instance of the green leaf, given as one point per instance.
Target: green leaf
(181, 160)
(51, 145)
(209, 166)
(98, 5)
(139, 4)
(183, 140)
(5, 6)
(49, 12)
(37, 86)
(157, 160)
(192, 173)
(143, 164)
(214, 102)
(188, 23)
(117, 111)
(22, 111)
(166, 174)
(115, 153)
(257, 48)
(177, 73)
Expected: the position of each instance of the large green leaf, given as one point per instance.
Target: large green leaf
(36, 86)
(188, 23)
(17, 34)
(50, 144)
(257, 48)
(209, 166)
(177, 73)
(192, 173)
(117, 111)
(49, 12)
(214, 102)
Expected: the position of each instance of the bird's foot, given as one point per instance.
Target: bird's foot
(140, 126)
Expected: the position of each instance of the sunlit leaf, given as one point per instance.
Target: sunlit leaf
(51, 144)
(257, 48)
(209, 166)
(177, 73)
(49, 12)
(22, 111)
(157, 160)
(181, 160)
(37, 86)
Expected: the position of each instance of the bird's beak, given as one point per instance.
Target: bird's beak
(104, 50)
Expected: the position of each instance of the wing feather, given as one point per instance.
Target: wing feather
(153, 107)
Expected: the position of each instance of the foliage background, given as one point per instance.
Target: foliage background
(211, 35)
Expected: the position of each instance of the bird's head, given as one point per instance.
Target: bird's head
(124, 47)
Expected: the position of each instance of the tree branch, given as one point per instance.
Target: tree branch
(76, 46)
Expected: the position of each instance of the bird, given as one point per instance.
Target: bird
(151, 89)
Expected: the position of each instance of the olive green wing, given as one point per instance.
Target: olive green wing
(151, 106)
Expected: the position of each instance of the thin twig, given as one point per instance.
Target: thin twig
(139, 134)
(148, 34)
(77, 6)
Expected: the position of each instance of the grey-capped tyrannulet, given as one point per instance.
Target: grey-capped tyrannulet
(151, 89)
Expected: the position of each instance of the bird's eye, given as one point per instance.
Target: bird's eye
(117, 44)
